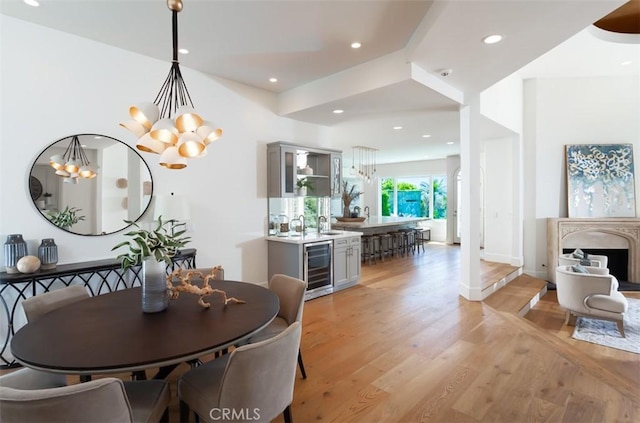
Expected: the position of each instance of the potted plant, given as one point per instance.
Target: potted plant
(348, 195)
(154, 250)
(303, 185)
(66, 218)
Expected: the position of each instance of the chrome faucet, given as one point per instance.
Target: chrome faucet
(301, 218)
(366, 210)
(320, 219)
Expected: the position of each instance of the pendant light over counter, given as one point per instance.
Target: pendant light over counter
(170, 126)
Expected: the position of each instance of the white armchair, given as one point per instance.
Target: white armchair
(594, 259)
(593, 294)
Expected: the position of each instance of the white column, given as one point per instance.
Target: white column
(470, 149)
(517, 246)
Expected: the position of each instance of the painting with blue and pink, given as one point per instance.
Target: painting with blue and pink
(600, 179)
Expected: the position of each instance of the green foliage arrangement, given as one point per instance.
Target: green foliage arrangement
(162, 243)
(66, 218)
(305, 183)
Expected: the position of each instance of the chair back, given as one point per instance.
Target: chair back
(290, 292)
(39, 305)
(261, 376)
(102, 400)
(27, 378)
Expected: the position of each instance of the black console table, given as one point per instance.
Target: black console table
(99, 277)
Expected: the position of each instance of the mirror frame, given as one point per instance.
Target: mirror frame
(30, 183)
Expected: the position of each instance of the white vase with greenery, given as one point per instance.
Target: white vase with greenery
(153, 250)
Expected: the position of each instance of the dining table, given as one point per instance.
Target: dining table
(110, 333)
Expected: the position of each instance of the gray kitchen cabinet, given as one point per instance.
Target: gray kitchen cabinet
(346, 263)
(284, 161)
(281, 170)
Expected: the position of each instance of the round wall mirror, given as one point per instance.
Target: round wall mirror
(88, 184)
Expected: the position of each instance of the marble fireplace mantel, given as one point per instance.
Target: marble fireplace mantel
(605, 233)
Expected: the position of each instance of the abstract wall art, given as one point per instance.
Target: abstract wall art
(600, 180)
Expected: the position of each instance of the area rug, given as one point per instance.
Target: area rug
(606, 333)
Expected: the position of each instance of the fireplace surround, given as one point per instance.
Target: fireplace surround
(594, 233)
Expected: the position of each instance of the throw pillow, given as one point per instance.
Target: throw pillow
(586, 262)
(578, 253)
(578, 268)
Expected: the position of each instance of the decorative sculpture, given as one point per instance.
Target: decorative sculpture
(206, 290)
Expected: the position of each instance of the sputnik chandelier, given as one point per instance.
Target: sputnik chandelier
(73, 164)
(178, 138)
(365, 166)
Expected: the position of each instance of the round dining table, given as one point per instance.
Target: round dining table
(109, 333)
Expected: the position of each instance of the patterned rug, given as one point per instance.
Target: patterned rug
(606, 333)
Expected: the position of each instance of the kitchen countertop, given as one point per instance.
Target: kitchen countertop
(376, 222)
(313, 237)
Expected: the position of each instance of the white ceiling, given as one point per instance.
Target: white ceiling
(405, 44)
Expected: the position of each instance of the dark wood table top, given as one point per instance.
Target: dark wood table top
(109, 333)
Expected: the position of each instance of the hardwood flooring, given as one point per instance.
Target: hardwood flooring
(403, 346)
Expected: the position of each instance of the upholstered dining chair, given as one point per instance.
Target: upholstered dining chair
(37, 306)
(252, 383)
(590, 292)
(34, 308)
(290, 292)
(101, 400)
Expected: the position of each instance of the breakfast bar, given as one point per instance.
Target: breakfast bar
(376, 225)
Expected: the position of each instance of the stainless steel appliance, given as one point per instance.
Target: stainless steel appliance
(318, 268)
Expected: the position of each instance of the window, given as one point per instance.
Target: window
(424, 196)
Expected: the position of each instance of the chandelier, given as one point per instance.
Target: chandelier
(73, 164)
(365, 166)
(170, 126)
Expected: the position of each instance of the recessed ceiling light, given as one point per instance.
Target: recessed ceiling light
(32, 3)
(426, 136)
(397, 127)
(626, 63)
(273, 80)
(356, 45)
(338, 111)
(183, 51)
(450, 143)
(492, 39)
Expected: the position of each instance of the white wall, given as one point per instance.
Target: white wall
(498, 200)
(502, 103)
(569, 111)
(55, 85)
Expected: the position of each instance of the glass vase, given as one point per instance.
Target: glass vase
(14, 249)
(48, 254)
(155, 297)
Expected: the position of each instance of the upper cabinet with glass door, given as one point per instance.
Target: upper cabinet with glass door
(295, 170)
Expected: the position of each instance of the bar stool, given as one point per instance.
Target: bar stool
(369, 248)
(385, 246)
(420, 236)
(396, 243)
(407, 240)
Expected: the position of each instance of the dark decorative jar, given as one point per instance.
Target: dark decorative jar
(48, 254)
(14, 249)
(155, 296)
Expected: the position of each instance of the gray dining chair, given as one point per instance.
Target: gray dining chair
(252, 383)
(34, 308)
(37, 306)
(290, 292)
(101, 400)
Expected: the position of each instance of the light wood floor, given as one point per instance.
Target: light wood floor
(403, 346)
